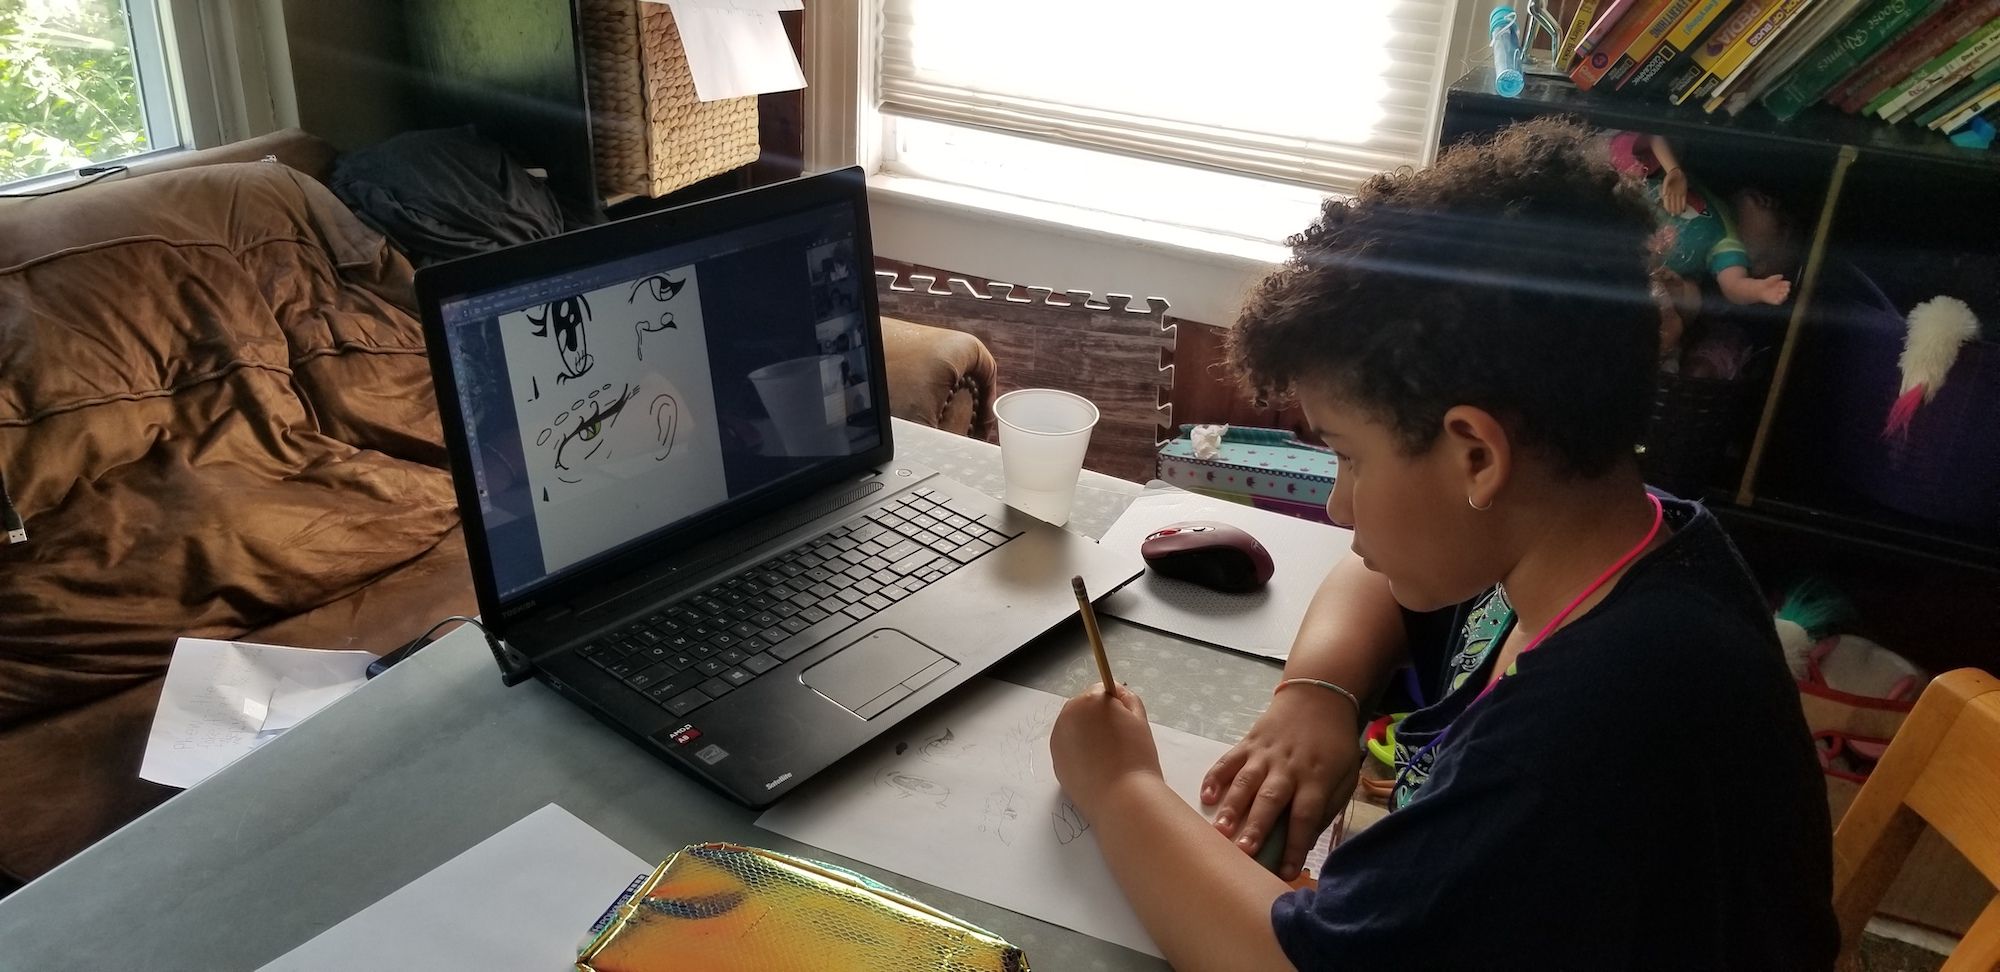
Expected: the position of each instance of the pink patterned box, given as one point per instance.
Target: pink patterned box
(1266, 468)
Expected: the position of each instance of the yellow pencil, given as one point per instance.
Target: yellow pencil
(1090, 626)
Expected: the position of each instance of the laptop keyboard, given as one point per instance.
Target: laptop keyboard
(706, 646)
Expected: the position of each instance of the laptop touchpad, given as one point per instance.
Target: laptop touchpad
(870, 675)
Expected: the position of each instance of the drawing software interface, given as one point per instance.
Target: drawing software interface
(607, 403)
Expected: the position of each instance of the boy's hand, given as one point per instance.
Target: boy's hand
(1099, 739)
(1298, 756)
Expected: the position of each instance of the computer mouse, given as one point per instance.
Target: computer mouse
(1214, 555)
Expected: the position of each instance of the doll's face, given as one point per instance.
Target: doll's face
(1768, 237)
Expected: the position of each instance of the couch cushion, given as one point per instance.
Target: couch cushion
(215, 413)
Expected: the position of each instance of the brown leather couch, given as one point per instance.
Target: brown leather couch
(216, 417)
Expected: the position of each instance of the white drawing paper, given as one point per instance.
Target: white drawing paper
(616, 411)
(735, 50)
(1261, 623)
(964, 797)
(293, 701)
(219, 696)
(523, 899)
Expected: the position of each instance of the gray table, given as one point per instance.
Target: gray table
(436, 756)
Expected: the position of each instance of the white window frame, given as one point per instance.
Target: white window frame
(210, 72)
(963, 228)
(231, 68)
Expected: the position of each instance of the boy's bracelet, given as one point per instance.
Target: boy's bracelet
(1322, 683)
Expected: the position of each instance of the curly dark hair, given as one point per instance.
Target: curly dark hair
(1512, 275)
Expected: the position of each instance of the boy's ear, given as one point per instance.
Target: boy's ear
(1478, 448)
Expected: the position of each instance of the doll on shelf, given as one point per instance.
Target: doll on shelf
(1735, 243)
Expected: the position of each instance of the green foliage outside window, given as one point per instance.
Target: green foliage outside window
(68, 93)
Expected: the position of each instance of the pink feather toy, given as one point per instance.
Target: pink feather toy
(1939, 327)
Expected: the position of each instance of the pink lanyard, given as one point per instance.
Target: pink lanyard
(1659, 514)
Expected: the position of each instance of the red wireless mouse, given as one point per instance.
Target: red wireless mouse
(1214, 555)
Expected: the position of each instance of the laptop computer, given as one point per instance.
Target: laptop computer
(671, 444)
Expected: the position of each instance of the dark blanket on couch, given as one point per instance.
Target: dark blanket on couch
(217, 420)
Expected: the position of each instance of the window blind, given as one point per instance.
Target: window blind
(1310, 92)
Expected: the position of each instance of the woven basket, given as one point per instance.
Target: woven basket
(648, 132)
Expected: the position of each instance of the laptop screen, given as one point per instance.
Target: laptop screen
(610, 402)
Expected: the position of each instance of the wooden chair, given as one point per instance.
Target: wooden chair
(1942, 769)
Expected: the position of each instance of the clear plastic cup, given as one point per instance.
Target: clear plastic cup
(1043, 435)
(807, 404)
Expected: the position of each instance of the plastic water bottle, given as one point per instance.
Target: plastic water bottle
(1506, 52)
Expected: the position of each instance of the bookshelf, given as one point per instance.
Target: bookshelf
(1888, 199)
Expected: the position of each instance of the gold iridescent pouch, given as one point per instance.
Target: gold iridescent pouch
(723, 907)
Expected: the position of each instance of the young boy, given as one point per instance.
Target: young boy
(1612, 770)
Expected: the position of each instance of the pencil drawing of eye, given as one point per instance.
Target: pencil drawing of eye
(586, 439)
(564, 319)
(942, 747)
(914, 786)
(662, 287)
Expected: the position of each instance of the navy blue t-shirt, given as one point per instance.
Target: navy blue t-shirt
(1642, 793)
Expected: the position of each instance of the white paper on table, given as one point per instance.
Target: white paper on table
(292, 701)
(965, 797)
(1263, 623)
(732, 51)
(218, 697)
(523, 898)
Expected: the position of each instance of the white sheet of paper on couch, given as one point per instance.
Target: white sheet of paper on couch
(223, 699)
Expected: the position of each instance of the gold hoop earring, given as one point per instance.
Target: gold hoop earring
(1476, 506)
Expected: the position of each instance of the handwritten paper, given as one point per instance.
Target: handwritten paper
(1261, 623)
(221, 697)
(736, 48)
(965, 797)
(523, 899)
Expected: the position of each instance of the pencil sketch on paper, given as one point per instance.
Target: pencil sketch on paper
(943, 746)
(914, 786)
(1025, 745)
(565, 320)
(1018, 844)
(1069, 822)
(996, 818)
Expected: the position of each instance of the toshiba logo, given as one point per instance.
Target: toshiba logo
(774, 783)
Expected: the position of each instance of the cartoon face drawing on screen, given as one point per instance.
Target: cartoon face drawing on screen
(609, 423)
(653, 317)
(564, 321)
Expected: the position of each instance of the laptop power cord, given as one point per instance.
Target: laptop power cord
(514, 669)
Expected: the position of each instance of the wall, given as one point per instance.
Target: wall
(347, 60)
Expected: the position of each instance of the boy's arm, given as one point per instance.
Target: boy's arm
(1300, 755)
(1207, 904)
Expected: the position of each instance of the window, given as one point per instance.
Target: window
(82, 82)
(1235, 117)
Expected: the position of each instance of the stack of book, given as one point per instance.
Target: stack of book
(1930, 63)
